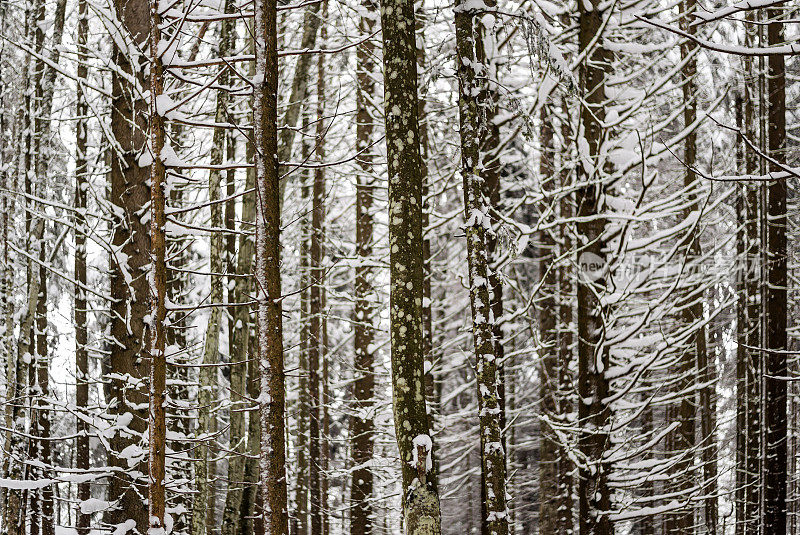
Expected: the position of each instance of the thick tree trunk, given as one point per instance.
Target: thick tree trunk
(594, 415)
(775, 367)
(363, 427)
(420, 500)
(267, 271)
(125, 368)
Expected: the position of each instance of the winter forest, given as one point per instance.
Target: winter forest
(373, 267)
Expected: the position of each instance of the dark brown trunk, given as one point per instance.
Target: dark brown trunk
(594, 492)
(363, 427)
(272, 399)
(775, 367)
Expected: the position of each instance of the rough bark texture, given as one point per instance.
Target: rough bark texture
(363, 427)
(420, 501)
(594, 415)
(775, 367)
(125, 367)
(267, 272)
(158, 289)
(474, 73)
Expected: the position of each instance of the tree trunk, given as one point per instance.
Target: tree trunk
(158, 288)
(267, 271)
(593, 414)
(549, 370)
(299, 90)
(420, 500)
(363, 427)
(125, 368)
(80, 307)
(474, 107)
(565, 329)
(750, 331)
(775, 368)
(315, 312)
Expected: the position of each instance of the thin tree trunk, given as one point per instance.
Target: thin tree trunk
(565, 330)
(549, 369)
(245, 343)
(158, 288)
(80, 306)
(594, 415)
(267, 272)
(775, 368)
(752, 326)
(300, 519)
(299, 90)
(363, 427)
(420, 500)
(474, 104)
(315, 312)
(238, 358)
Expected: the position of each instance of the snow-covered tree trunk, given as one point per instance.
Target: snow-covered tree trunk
(420, 500)
(474, 75)
(594, 493)
(267, 271)
(80, 303)
(126, 369)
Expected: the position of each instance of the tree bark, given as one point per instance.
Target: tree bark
(158, 288)
(267, 271)
(594, 415)
(80, 304)
(549, 376)
(474, 74)
(125, 367)
(363, 427)
(420, 500)
(775, 367)
(317, 282)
